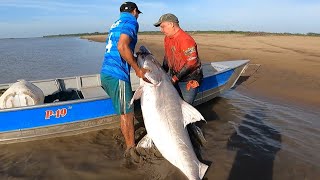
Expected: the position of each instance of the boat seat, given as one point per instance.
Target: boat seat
(93, 92)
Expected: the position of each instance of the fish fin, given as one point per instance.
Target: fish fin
(147, 148)
(197, 133)
(202, 169)
(146, 142)
(137, 94)
(190, 114)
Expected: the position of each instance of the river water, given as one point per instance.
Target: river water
(247, 138)
(43, 58)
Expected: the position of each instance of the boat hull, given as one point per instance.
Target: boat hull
(51, 121)
(94, 111)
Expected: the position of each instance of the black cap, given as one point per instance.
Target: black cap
(129, 7)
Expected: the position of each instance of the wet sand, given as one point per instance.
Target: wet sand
(247, 139)
(289, 70)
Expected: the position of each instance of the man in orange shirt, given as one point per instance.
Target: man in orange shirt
(181, 60)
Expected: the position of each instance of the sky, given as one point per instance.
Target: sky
(37, 18)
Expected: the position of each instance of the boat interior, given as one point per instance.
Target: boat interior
(70, 88)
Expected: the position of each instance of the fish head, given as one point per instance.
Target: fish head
(146, 60)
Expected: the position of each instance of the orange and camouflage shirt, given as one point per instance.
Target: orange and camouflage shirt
(181, 50)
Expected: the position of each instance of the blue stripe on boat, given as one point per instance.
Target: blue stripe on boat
(215, 81)
(33, 118)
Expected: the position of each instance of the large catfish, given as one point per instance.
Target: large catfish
(165, 117)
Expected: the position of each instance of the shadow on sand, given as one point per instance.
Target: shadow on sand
(256, 144)
(209, 115)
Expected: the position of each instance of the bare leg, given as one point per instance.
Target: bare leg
(127, 129)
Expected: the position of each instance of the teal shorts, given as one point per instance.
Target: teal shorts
(120, 93)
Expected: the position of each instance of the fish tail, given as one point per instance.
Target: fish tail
(202, 170)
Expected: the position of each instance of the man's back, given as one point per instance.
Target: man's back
(113, 64)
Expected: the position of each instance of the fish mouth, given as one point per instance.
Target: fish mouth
(150, 79)
(147, 81)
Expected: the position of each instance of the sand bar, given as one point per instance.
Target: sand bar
(290, 65)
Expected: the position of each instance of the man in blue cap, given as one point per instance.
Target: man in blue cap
(115, 72)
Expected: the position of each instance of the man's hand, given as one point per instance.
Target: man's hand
(174, 80)
(141, 72)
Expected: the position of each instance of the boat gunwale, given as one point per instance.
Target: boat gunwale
(245, 61)
(60, 103)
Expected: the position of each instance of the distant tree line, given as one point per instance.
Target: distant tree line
(253, 33)
(77, 34)
(249, 33)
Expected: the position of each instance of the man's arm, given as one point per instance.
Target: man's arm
(127, 54)
(188, 68)
(189, 52)
(165, 65)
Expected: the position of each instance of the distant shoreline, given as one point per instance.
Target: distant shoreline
(249, 33)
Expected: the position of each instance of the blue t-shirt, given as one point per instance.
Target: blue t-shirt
(113, 64)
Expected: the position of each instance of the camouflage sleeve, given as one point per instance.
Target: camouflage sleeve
(190, 54)
(183, 72)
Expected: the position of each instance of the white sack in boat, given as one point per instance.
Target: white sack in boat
(21, 93)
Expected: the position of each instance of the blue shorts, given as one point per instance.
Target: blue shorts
(120, 93)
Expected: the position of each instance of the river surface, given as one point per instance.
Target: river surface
(248, 139)
(44, 58)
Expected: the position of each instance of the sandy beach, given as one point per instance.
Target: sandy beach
(289, 65)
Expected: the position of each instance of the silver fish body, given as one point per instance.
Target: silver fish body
(165, 117)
